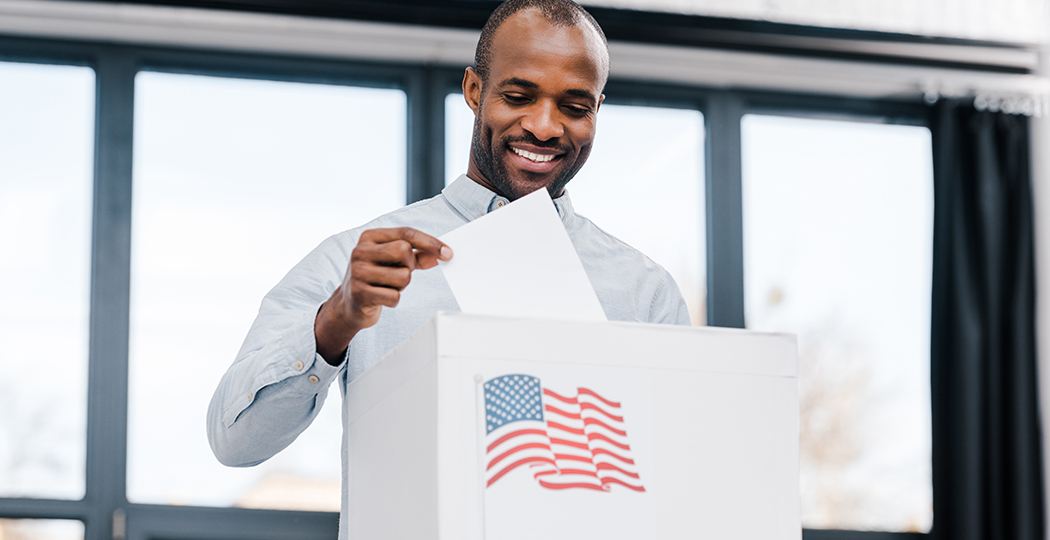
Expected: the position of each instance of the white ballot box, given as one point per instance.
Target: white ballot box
(498, 429)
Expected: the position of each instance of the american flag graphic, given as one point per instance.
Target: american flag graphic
(577, 441)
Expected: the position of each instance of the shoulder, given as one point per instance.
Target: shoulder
(593, 241)
(630, 285)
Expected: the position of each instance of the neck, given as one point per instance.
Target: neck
(474, 174)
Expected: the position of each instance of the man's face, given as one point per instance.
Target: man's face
(535, 116)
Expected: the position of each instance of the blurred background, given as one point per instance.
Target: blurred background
(164, 163)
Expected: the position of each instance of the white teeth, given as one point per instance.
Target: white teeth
(538, 158)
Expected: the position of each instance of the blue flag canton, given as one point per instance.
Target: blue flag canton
(511, 398)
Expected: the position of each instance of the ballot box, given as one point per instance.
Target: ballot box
(499, 428)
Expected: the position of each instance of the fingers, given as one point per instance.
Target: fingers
(404, 246)
(381, 276)
(371, 287)
(369, 298)
(397, 253)
(381, 267)
(375, 284)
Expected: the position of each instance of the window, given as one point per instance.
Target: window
(46, 143)
(214, 176)
(235, 182)
(41, 529)
(838, 236)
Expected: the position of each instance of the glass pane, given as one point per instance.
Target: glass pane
(235, 182)
(838, 229)
(459, 127)
(46, 145)
(41, 529)
(645, 177)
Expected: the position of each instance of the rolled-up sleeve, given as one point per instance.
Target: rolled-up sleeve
(278, 382)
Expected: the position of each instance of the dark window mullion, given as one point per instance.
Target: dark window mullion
(14, 508)
(148, 522)
(426, 135)
(725, 224)
(110, 287)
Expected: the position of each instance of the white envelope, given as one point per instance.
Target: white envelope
(519, 262)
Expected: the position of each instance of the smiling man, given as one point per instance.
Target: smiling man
(535, 90)
(535, 93)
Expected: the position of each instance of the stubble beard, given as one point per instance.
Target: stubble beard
(495, 169)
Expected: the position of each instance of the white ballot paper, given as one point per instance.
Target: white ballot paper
(518, 261)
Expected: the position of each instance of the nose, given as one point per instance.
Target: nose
(544, 121)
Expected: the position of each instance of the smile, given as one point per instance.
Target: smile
(538, 158)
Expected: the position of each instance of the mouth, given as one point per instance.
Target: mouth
(536, 160)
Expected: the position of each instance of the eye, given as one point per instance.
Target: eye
(577, 110)
(515, 99)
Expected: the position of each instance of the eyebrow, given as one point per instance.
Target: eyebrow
(580, 93)
(514, 81)
(524, 83)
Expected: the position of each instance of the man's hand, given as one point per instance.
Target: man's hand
(380, 268)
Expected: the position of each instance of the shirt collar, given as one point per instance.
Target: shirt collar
(474, 200)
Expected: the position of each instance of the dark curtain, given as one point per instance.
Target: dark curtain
(987, 466)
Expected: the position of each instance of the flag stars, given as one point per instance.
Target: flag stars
(511, 398)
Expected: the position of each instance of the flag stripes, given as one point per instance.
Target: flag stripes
(577, 442)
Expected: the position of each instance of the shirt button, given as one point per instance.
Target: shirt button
(314, 379)
(500, 204)
(298, 365)
(249, 396)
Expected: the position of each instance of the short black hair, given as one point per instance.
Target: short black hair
(557, 12)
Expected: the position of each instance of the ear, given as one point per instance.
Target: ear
(601, 98)
(472, 89)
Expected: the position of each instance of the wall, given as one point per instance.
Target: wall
(1011, 21)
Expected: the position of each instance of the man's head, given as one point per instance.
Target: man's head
(541, 66)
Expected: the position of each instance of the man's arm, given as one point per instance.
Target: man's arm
(297, 345)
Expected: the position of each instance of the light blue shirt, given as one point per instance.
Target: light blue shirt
(278, 382)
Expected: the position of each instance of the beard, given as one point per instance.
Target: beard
(494, 167)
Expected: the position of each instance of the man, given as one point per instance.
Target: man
(541, 66)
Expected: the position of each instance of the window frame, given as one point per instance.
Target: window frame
(105, 509)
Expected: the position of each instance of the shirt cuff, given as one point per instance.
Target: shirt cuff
(300, 364)
(292, 359)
